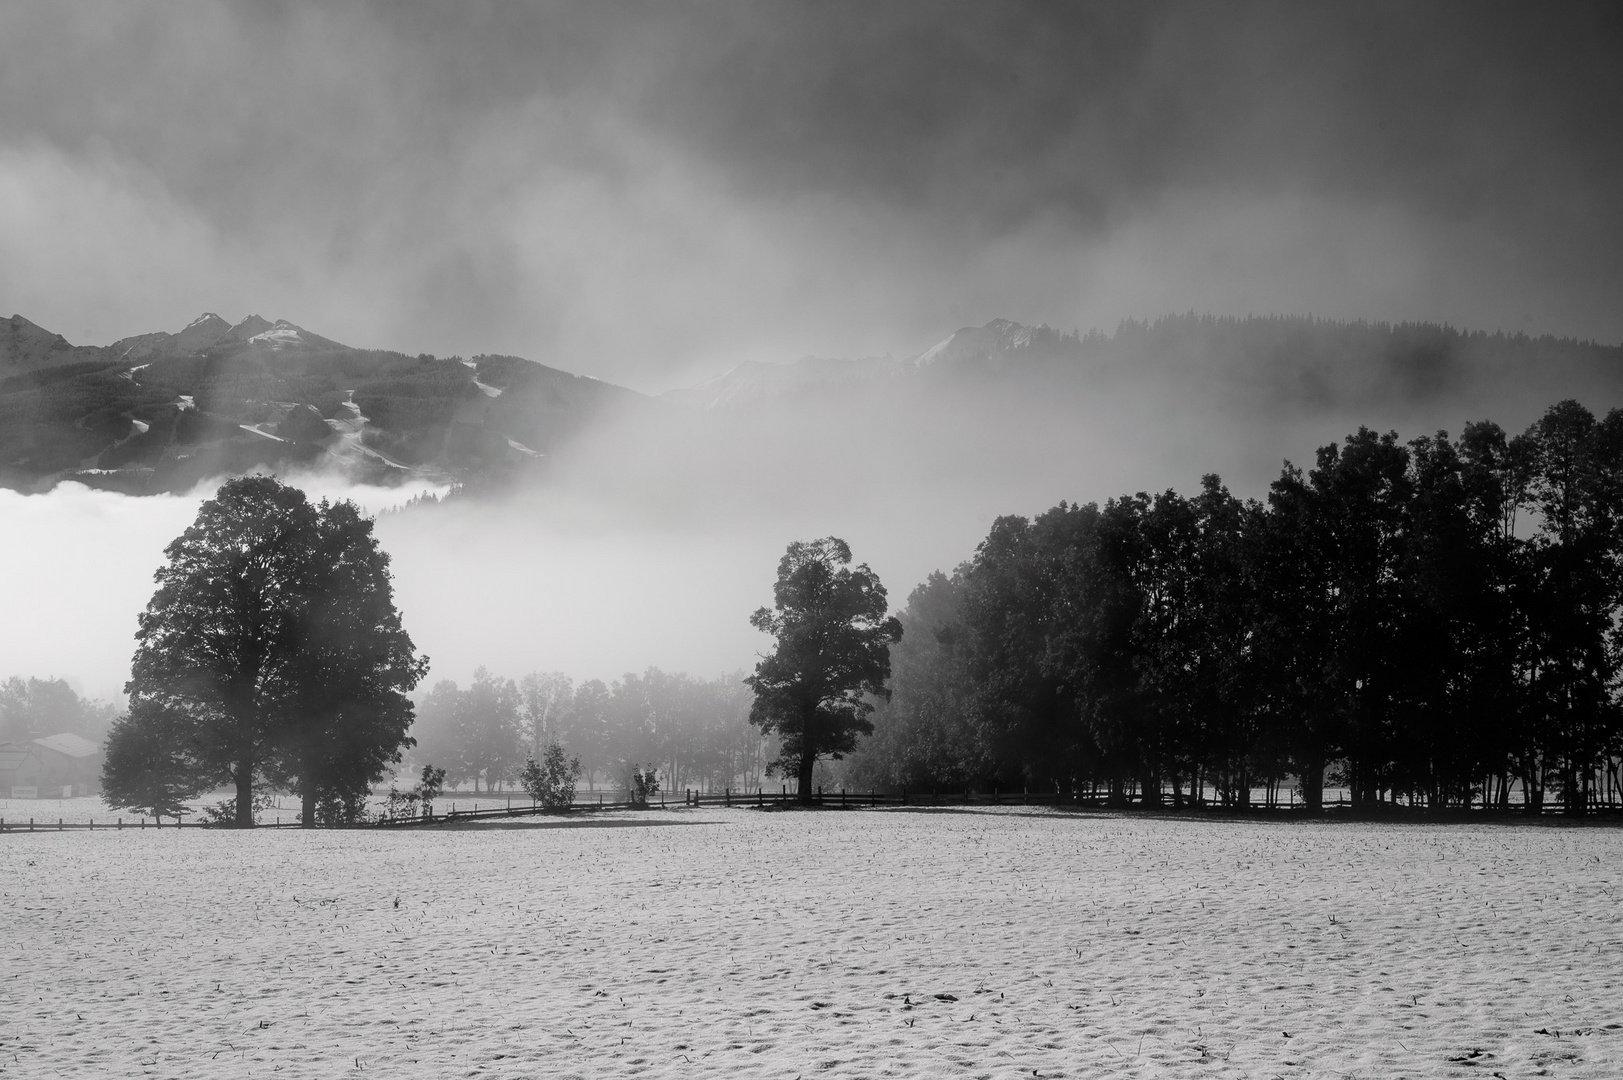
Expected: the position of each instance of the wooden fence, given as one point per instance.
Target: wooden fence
(458, 812)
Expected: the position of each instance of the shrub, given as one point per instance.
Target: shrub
(643, 784)
(552, 782)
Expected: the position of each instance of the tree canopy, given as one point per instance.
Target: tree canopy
(833, 650)
(271, 653)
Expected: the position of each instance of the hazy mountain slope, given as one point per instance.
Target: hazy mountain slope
(1298, 364)
(26, 347)
(1008, 418)
(754, 382)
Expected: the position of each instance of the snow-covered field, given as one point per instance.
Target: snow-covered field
(868, 943)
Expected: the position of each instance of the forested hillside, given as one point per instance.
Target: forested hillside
(162, 411)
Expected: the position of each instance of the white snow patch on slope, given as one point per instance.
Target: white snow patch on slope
(983, 943)
(257, 430)
(279, 336)
(928, 355)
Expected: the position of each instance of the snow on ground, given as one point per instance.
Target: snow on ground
(869, 943)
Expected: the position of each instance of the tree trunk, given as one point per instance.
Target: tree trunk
(1150, 789)
(1312, 781)
(808, 762)
(1574, 790)
(808, 755)
(1532, 792)
(245, 796)
(307, 798)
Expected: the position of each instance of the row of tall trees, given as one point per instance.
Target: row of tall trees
(1437, 620)
(693, 732)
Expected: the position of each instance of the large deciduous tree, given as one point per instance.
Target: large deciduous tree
(274, 640)
(833, 648)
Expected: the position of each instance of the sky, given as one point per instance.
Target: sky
(653, 193)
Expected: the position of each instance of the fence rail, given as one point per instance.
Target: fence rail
(842, 799)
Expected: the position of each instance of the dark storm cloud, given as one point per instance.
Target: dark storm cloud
(650, 192)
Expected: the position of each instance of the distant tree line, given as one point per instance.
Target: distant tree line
(691, 732)
(33, 707)
(1437, 621)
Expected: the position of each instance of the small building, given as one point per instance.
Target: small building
(19, 771)
(69, 765)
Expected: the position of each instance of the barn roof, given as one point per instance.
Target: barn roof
(12, 755)
(70, 744)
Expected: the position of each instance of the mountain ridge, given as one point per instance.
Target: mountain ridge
(160, 411)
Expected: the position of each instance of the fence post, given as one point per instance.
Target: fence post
(842, 798)
(727, 797)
